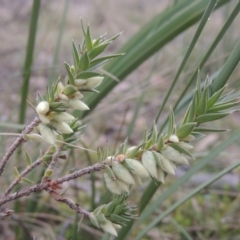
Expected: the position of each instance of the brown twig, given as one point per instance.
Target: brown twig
(17, 142)
(47, 185)
(73, 206)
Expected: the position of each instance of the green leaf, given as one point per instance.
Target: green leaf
(210, 117)
(70, 76)
(160, 143)
(222, 106)
(184, 130)
(94, 65)
(84, 61)
(76, 56)
(102, 59)
(201, 129)
(86, 75)
(171, 123)
(214, 98)
(98, 50)
(87, 37)
(28, 159)
(189, 117)
(202, 105)
(16, 173)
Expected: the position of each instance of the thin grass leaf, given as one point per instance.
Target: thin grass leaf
(52, 73)
(154, 36)
(227, 69)
(225, 27)
(29, 59)
(202, 129)
(202, 23)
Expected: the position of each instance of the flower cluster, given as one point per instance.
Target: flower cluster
(137, 162)
(111, 216)
(80, 77)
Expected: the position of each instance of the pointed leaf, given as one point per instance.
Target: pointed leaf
(70, 76)
(98, 50)
(210, 117)
(84, 61)
(184, 130)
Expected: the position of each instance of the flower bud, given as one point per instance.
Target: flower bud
(111, 184)
(132, 151)
(93, 220)
(48, 173)
(149, 163)
(186, 146)
(34, 137)
(76, 104)
(47, 133)
(79, 82)
(109, 227)
(122, 173)
(61, 127)
(173, 155)
(42, 108)
(135, 167)
(166, 165)
(173, 139)
(44, 119)
(91, 83)
(123, 186)
(61, 116)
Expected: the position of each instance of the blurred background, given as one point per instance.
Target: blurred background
(111, 122)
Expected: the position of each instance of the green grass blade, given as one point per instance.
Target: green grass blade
(223, 30)
(183, 200)
(52, 74)
(157, 33)
(29, 59)
(227, 68)
(199, 30)
(225, 27)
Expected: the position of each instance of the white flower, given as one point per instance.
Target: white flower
(76, 104)
(42, 108)
(47, 133)
(61, 116)
(61, 127)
